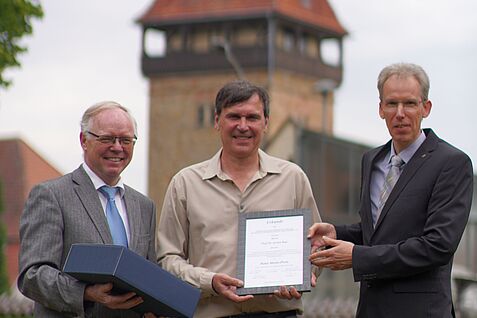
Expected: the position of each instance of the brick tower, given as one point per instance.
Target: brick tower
(192, 47)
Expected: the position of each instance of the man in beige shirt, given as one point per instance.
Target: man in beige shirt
(197, 235)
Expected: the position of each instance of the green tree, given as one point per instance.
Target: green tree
(15, 22)
(4, 287)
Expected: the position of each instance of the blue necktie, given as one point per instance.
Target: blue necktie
(116, 225)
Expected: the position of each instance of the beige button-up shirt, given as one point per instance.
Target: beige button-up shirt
(197, 234)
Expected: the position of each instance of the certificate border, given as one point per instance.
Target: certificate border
(243, 217)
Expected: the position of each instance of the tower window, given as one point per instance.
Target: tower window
(302, 42)
(330, 51)
(205, 115)
(175, 41)
(308, 45)
(288, 40)
(200, 41)
(155, 43)
(246, 36)
(201, 116)
(212, 115)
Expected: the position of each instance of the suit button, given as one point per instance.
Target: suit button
(369, 284)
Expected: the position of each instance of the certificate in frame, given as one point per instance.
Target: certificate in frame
(273, 251)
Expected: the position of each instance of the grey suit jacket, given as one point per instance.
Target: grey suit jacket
(59, 213)
(404, 264)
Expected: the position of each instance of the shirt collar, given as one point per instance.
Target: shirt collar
(267, 165)
(407, 153)
(98, 182)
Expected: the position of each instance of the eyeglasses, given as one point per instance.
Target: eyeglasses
(111, 140)
(408, 106)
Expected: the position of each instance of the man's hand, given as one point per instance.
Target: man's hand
(339, 256)
(226, 286)
(315, 272)
(316, 233)
(286, 293)
(100, 293)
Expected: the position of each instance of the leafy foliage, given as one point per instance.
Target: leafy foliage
(15, 22)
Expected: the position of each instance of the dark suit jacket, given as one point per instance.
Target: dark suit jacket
(59, 213)
(404, 264)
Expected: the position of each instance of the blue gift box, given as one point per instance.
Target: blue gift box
(163, 293)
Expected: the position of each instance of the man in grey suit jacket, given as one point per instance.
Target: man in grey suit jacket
(402, 250)
(71, 209)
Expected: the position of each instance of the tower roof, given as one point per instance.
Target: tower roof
(317, 13)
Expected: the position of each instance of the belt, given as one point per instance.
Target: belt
(281, 314)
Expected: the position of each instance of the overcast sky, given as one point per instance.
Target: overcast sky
(87, 51)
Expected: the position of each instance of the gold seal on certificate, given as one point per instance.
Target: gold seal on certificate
(273, 251)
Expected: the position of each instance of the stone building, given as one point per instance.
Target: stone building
(191, 48)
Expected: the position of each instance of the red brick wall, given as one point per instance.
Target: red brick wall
(20, 169)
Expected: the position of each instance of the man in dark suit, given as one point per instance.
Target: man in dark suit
(74, 209)
(416, 193)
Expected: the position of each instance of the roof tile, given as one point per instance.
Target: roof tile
(318, 13)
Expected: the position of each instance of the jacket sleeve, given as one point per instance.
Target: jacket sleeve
(446, 213)
(351, 233)
(41, 237)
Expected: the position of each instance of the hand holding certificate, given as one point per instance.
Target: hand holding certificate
(273, 251)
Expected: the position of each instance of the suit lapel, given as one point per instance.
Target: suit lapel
(422, 154)
(132, 208)
(88, 196)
